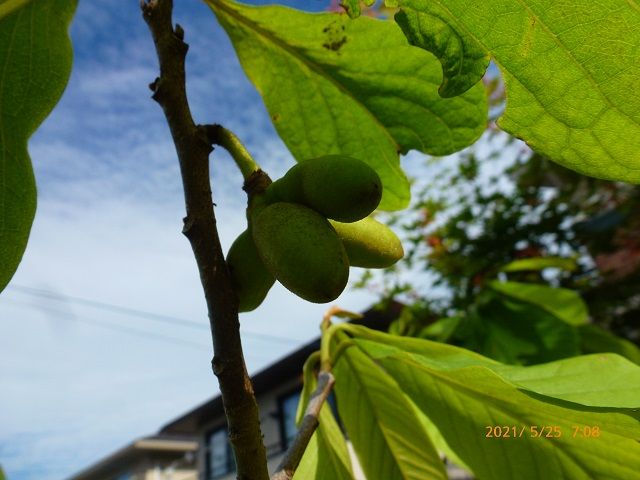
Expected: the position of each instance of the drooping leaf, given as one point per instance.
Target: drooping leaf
(356, 87)
(35, 61)
(565, 304)
(441, 330)
(326, 456)
(389, 440)
(595, 339)
(465, 395)
(521, 332)
(540, 263)
(571, 72)
(463, 60)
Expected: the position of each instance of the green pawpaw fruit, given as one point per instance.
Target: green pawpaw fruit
(301, 249)
(339, 187)
(369, 243)
(251, 279)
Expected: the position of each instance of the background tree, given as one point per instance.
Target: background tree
(499, 203)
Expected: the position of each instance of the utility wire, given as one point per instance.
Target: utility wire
(53, 296)
(114, 327)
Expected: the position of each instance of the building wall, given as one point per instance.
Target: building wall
(269, 424)
(169, 474)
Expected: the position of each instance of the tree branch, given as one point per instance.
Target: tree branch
(308, 426)
(193, 148)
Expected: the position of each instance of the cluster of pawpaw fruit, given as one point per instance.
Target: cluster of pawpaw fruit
(307, 228)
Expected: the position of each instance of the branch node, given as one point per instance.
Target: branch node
(147, 7)
(188, 226)
(153, 86)
(217, 366)
(179, 32)
(257, 183)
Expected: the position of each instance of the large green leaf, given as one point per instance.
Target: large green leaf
(35, 61)
(389, 440)
(570, 379)
(563, 303)
(335, 85)
(463, 61)
(520, 332)
(592, 380)
(571, 71)
(464, 395)
(595, 339)
(326, 456)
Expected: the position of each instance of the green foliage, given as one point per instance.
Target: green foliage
(352, 7)
(487, 216)
(251, 279)
(302, 251)
(589, 429)
(354, 87)
(464, 61)
(562, 303)
(596, 339)
(32, 33)
(386, 435)
(339, 187)
(571, 82)
(540, 263)
(326, 456)
(369, 243)
(515, 332)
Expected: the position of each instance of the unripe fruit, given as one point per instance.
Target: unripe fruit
(301, 249)
(369, 243)
(251, 279)
(339, 187)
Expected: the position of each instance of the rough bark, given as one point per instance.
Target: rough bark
(193, 148)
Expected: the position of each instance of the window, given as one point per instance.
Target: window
(288, 408)
(219, 456)
(124, 476)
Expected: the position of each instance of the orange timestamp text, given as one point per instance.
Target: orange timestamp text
(541, 431)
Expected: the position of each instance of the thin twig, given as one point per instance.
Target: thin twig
(308, 426)
(193, 149)
(218, 135)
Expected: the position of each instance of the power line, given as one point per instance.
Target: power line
(117, 328)
(59, 297)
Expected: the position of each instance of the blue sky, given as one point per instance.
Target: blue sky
(108, 229)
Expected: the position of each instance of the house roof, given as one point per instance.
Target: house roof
(155, 444)
(277, 373)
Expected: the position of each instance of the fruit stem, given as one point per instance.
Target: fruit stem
(228, 140)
